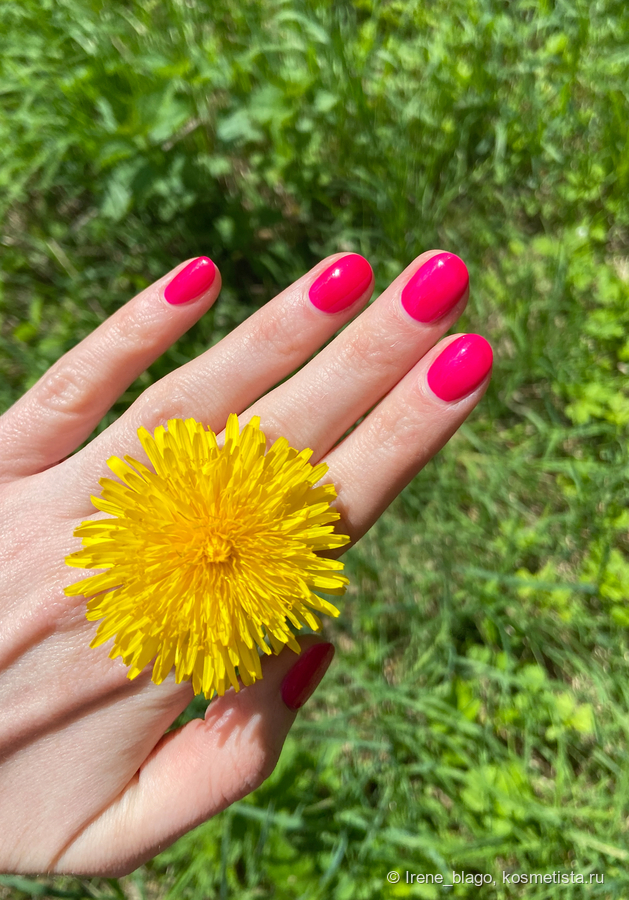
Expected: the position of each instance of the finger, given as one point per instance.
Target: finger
(62, 409)
(327, 396)
(200, 769)
(396, 440)
(230, 376)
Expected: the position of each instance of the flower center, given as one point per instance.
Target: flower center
(217, 548)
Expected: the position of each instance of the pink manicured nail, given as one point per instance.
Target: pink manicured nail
(191, 282)
(435, 287)
(461, 367)
(301, 681)
(341, 284)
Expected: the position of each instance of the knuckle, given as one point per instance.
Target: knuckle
(396, 431)
(258, 770)
(132, 327)
(276, 333)
(169, 398)
(246, 758)
(256, 747)
(65, 389)
(371, 355)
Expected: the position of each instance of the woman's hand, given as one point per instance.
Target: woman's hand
(89, 784)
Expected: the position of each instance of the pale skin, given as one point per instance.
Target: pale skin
(89, 784)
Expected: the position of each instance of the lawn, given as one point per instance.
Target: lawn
(476, 715)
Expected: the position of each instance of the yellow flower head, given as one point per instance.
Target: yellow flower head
(210, 555)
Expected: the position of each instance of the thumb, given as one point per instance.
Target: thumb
(198, 770)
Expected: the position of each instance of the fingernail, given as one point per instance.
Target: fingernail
(191, 282)
(341, 284)
(461, 367)
(435, 287)
(301, 681)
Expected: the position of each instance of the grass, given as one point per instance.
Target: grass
(475, 717)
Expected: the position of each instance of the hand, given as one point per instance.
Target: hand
(89, 782)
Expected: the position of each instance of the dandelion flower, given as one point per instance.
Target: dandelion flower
(210, 557)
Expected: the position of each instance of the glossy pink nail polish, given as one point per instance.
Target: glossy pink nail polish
(301, 681)
(461, 367)
(435, 287)
(191, 282)
(341, 284)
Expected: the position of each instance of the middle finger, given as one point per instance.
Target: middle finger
(320, 402)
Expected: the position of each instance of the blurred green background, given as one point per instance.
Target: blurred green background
(476, 715)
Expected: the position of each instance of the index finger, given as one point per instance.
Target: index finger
(62, 409)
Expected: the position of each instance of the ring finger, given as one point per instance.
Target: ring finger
(413, 422)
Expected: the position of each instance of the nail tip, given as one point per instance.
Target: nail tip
(483, 345)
